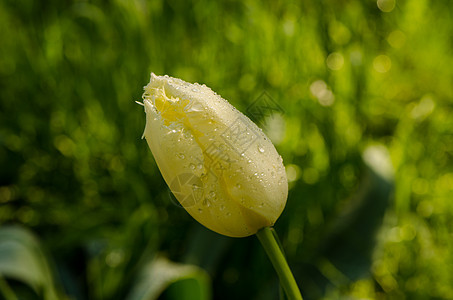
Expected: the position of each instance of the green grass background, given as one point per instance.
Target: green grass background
(348, 74)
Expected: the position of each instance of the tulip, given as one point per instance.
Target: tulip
(219, 165)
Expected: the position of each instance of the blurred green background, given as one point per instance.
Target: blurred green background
(364, 86)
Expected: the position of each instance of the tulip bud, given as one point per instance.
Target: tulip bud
(219, 165)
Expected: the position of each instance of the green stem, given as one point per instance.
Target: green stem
(6, 290)
(278, 260)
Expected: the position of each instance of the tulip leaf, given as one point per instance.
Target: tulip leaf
(176, 281)
(351, 241)
(22, 259)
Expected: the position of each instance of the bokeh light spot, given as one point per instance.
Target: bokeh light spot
(382, 63)
(425, 208)
(322, 92)
(311, 175)
(335, 61)
(386, 5)
(424, 108)
(292, 172)
(420, 186)
(396, 39)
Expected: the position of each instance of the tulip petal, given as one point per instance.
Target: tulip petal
(219, 165)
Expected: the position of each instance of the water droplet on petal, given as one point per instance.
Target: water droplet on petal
(192, 166)
(181, 155)
(204, 177)
(260, 149)
(194, 90)
(238, 185)
(212, 194)
(195, 107)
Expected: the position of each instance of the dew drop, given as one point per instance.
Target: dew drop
(200, 166)
(249, 161)
(195, 107)
(181, 156)
(256, 174)
(194, 90)
(192, 166)
(260, 149)
(206, 203)
(238, 185)
(212, 194)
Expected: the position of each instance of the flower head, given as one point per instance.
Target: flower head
(219, 165)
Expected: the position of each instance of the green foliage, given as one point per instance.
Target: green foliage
(348, 75)
(21, 258)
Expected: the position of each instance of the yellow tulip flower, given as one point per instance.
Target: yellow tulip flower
(219, 165)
